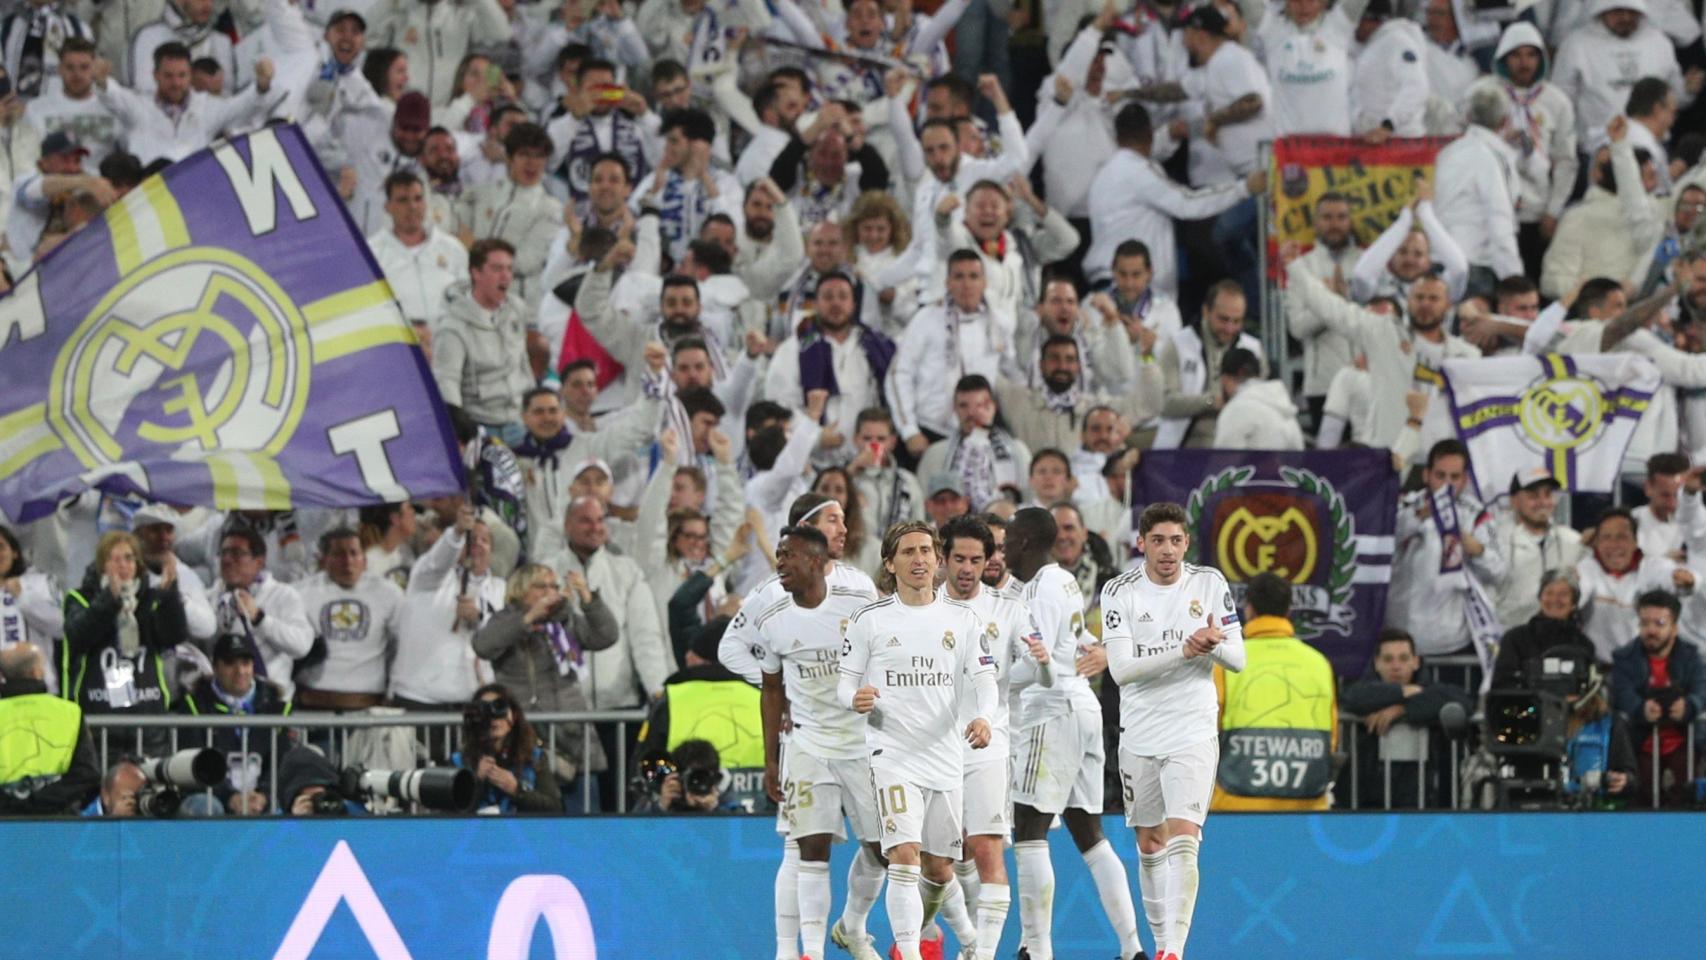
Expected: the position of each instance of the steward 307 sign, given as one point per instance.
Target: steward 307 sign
(1321, 520)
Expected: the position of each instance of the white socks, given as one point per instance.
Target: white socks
(1036, 896)
(788, 903)
(864, 883)
(949, 900)
(970, 882)
(1109, 874)
(905, 908)
(992, 904)
(1181, 890)
(814, 907)
(1152, 877)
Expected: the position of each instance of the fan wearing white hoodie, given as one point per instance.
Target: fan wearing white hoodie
(1598, 64)
(1259, 414)
(1390, 88)
(1074, 131)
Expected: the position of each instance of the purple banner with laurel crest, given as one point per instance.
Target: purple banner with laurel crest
(221, 336)
(1323, 520)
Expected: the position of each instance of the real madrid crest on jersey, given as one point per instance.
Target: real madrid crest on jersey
(344, 621)
(1196, 608)
(947, 640)
(990, 632)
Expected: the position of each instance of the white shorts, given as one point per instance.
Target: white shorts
(1058, 764)
(912, 814)
(817, 793)
(985, 793)
(1175, 787)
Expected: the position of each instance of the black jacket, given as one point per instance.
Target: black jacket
(1372, 694)
(91, 627)
(269, 701)
(1524, 642)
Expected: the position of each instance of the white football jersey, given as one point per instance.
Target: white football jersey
(1056, 603)
(1006, 624)
(919, 659)
(1175, 708)
(804, 645)
(739, 650)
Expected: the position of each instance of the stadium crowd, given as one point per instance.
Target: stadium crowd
(688, 272)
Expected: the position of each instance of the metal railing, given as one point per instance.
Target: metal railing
(117, 735)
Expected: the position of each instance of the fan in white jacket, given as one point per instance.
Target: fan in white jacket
(1390, 87)
(1074, 129)
(30, 610)
(189, 22)
(1013, 257)
(1424, 600)
(964, 335)
(1259, 414)
(1598, 64)
(1475, 188)
(177, 121)
(1541, 123)
(636, 667)
(452, 593)
(249, 601)
(435, 37)
(1614, 575)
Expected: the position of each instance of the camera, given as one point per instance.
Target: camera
(483, 712)
(698, 781)
(191, 767)
(653, 770)
(160, 803)
(1527, 728)
(435, 788)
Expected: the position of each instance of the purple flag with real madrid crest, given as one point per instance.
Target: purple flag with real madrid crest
(1324, 520)
(220, 337)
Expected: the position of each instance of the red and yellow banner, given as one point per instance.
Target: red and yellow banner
(1379, 181)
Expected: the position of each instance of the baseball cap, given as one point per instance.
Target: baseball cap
(59, 142)
(414, 111)
(152, 514)
(345, 13)
(231, 646)
(1529, 478)
(589, 464)
(944, 480)
(1208, 19)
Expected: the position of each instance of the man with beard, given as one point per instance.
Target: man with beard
(189, 22)
(831, 351)
(826, 253)
(1189, 362)
(1542, 128)
(378, 146)
(176, 121)
(1012, 260)
(1393, 346)
(1054, 416)
(1107, 345)
(1532, 542)
(156, 530)
(420, 261)
(1330, 261)
(771, 245)
(1598, 63)
(813, 168)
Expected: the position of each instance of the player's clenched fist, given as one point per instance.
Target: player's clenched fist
(977, 733)
(865, 700)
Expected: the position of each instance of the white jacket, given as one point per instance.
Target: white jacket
(1605, 234)
(434, 663)
(527, 217)
(1596, 68)
(419, 275)
(1391, 82)
(359, 627)
(35, 616)
(1545, 186)
(1134, 199)
(1516, 596)
(1424, 601)
(1260, 416)
(1608, 600)
(284, 634)
(1325, 353)
(150, 133)
(1476, 180)
(926, 366)
(546, 480)
(642, 657)
(214, 44)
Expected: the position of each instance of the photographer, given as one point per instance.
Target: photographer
(500, 747)
(47, 759)
(124, 780)
(1657, 683)
(538, 647)
(234, 690)
(1603, 768)
(689, 780)
(309, 786)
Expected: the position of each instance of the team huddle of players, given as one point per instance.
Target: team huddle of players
(943, 720)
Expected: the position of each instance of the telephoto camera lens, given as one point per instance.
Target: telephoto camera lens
(191, 767)
(435, 788)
